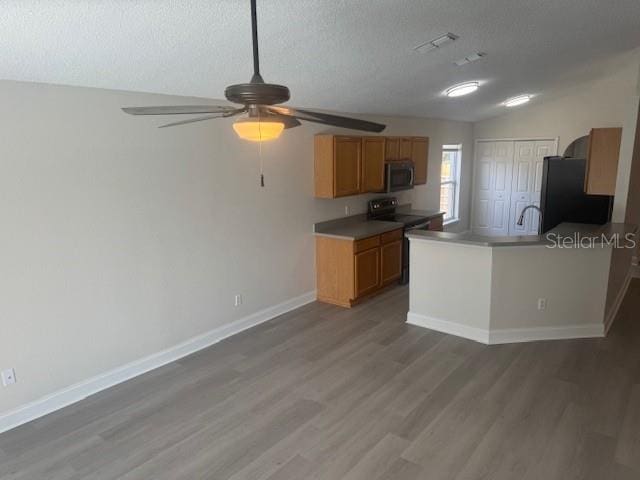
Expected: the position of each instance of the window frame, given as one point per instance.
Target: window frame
(455, 181)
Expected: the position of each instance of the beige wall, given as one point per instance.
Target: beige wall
(451, 282)
(573, 281)
(491, 294)
(120, 240)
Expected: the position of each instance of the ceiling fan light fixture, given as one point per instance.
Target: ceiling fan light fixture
(258, 130)
(515, 101)
(462, 89)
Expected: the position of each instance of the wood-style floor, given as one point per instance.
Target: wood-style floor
(333, 394)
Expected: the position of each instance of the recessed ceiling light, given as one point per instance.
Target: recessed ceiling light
(436, 42)
(462, 89)
(515, 101)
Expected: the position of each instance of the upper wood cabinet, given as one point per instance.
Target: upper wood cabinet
(420, 157)
(373, 151)
(392, 149)
(337, 165)
(348, 165)
(602, 161)
(405, 148)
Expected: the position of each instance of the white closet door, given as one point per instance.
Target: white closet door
(494, 162)
(526, 184)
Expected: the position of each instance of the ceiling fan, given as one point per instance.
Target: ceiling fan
(265, 120)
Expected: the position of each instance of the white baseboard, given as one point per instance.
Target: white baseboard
(507, 335)
(81, 390)
(567, 332)
(613, 312)
(452, 328)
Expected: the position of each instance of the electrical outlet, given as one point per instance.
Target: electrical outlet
(8, 377)
(347, 210)
(542, 303)
(238, 300)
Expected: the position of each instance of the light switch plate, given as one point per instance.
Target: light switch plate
(8, 377)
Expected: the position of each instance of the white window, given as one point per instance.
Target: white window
(450, 182)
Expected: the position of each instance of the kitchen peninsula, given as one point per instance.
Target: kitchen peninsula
(514, 289)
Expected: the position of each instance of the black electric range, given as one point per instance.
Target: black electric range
(384, 209)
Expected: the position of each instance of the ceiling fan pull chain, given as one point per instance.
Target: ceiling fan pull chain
(260, 155)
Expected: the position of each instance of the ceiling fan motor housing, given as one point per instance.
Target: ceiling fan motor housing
(257, 93)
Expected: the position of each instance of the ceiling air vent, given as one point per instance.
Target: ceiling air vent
(436, 43)
(471, 58)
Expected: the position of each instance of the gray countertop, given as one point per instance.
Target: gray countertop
(356, 227)
(565, 234)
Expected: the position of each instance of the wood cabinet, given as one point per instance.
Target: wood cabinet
(437, 224)
(392, 149)
(397, 148)
(602, 161)
(337, 165)
(349, 165)
(405, 148)
(420, 157)
(373, 151)
(367, 271)
(390, 262)
(348, 271)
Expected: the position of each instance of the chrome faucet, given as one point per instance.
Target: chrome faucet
(524, 210)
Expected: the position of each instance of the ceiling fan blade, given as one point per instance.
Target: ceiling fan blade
(202, 119)
(289, 122)
(328, 119)
(177, 110)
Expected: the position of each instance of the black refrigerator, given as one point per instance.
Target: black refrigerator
(563, 198)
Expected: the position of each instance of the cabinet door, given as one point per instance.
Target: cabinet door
(420, 157)
(367, 271)
(602, 161)
(347, 157)
(391, 261)
(392, 149)
(373, 151)
(405, 148)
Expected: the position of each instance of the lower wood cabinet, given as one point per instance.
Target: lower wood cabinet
(367, 271)
(348, 270)
(391, 262)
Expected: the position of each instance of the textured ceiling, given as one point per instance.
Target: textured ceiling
(344, 55)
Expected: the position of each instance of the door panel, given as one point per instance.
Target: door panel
(348, 151)
(405, 148)
(391, 261)
(373, 150)
(492, 192)
(392, 149)
(527, 183)
(482, 214)
(367, 271)
(420, 157)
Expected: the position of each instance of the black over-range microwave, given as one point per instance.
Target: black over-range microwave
(399, 176)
